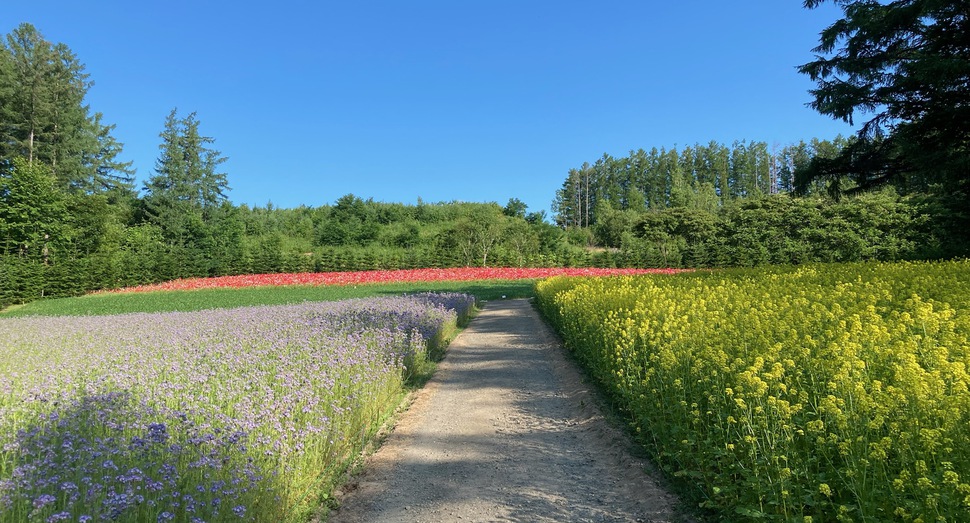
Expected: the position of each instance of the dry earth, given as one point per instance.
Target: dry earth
(505, 431)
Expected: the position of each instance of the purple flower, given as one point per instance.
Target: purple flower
(217, 403)
(44, 500)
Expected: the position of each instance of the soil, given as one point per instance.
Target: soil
(506, 430)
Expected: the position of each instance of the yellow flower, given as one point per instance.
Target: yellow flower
(867, 365)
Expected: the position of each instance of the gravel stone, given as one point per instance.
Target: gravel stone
(506, 430)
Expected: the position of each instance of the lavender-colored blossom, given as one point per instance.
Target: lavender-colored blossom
(108, 416)
(44, 500)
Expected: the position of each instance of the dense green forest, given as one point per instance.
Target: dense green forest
(716, 206)
(899, 188)
(73, 219)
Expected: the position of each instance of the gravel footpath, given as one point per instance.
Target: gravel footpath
(505, 431)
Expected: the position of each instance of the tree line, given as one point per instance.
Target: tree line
(704, 176)
(73, 220)
(718, 206)
(898, 188)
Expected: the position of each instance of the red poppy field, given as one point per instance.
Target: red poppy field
(395, 276)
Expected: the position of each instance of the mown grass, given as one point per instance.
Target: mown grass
(165, 301)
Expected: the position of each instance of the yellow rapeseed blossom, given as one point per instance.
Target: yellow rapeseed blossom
(857, 374)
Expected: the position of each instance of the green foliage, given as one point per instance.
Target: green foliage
(906, 64)
(474, 235)
(520, 242)
(515, 208)
(704, 177)
(186, 200)
(45, 119)
(32, 210)
(186, 189)
(676, 237)
(781, 229)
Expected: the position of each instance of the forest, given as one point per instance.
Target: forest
(73, 219)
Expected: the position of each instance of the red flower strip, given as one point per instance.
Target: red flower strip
(395, 276)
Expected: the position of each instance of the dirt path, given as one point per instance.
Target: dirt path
(505, 431)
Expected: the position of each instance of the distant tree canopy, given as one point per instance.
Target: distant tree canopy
(904, 69)
(716, 206)
(71, 219)
(700, 177)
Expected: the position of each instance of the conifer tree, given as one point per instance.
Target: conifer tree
(185, 196)
(905, 66)
(44, 118)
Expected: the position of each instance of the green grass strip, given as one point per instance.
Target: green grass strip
(164, 301)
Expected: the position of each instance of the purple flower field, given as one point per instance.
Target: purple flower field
(223, 415)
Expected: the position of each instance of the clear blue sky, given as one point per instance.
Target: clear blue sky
(442, 100)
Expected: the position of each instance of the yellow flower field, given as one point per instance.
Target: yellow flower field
(810, 394)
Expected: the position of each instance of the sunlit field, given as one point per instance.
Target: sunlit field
(277, 289)
(822, 393)
(246, 414)
(457, 274)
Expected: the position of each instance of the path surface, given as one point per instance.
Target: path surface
(505, 431)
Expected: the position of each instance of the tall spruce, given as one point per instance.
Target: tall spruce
(44, 118)
(185, 196)
(902, 70)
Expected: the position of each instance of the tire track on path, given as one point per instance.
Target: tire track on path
(505, 431)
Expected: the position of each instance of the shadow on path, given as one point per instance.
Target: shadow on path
(505, 431)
